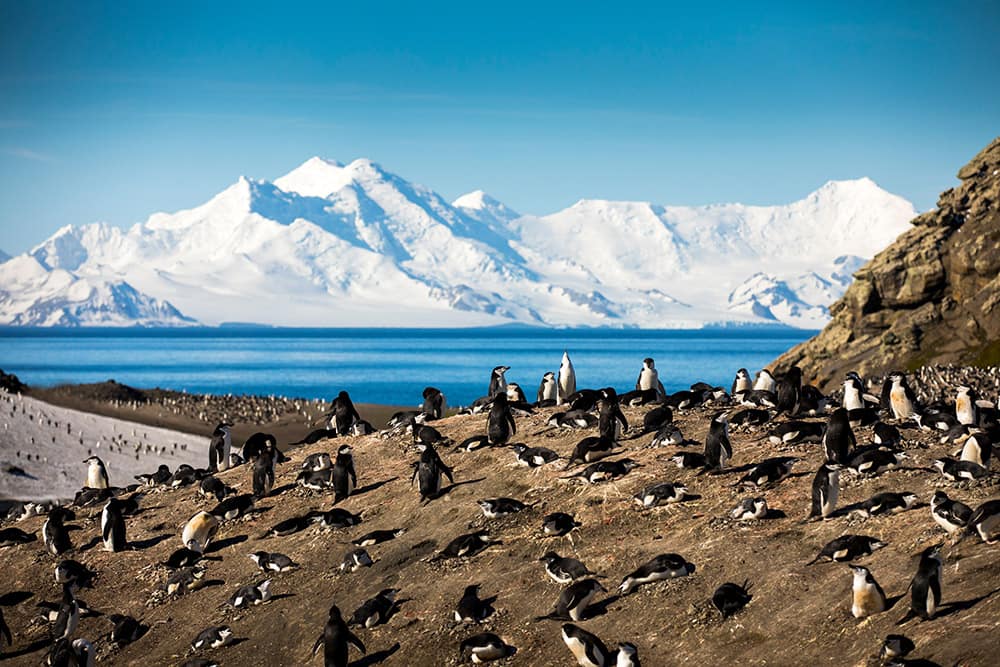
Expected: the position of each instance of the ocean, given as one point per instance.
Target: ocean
(388, 366)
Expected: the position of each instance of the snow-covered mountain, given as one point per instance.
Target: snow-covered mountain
(330, 244)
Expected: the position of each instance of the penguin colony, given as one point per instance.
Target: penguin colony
(890, 440)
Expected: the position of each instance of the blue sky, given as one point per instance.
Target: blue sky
(111, 113)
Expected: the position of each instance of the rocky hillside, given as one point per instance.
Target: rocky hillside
(932, 297)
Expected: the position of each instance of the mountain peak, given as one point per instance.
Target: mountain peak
(483, 207)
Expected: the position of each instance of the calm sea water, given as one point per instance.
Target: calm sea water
(390, 366)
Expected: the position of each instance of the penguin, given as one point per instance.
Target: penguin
(220, 447)
(125, 629)
(951, 515)
(902, 401)
(113, 526)
(985, 521)
(661, 494)
(97, 473)
(838, 438)
(216, 636)
(558, 524)
(183, 476)
(12, 536)
(199, 531)
(497, 507)
(485, 647)
(669, 434)
(769, 472)
(68, 616)
(895, 646)
(500, 426)
(161, 476)
(435, 404)
(342, 414)
(729, 598)
(564, 570)
(741, 383)
(718, 450)
(213, 487)
(966, 406)
(887, 503)
(200, 662)
(606, 471)
(345, 480)
(547, 390)
(578, 419)
(657, 418)
(83, 650)
(498, 383)
(273, 562)
(566, 380)
(649, 378)
(470, 608)
(338, 518)
(376, 610)
(263, 474)
(319, 480)
(886, 435)
(317, 462)
(335, 639)
(590, 449)
(750, 417)
(848, 548)
(925, 587)
(868, 598)
(611, 420)
(627, 655)
(689, 460)
(355, 559)
(955, 471)
(789, 391)
(664, 566)
(574, 600)
(74, 573)
(750, 509)
(588, 650)
(796, 432)
(765, 381)
(319, 434)
(874, 461)
(854, 390)
(466, 546)
(54, 533)
(428, 471)
(377, 537)
(293, 524)
(251, 594)
(257, 444)
(533, 457)
(515, 394)
(978, 448)
(182, 557)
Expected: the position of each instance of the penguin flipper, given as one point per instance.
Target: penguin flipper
(319, 642)
(357, 642)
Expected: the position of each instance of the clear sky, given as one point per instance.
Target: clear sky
(112, 112)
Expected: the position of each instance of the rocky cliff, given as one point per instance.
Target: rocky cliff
(932, 297)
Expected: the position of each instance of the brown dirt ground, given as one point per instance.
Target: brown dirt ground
(799, 615)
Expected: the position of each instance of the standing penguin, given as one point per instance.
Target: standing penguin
(113, 526)
(435, 404)
(718, 450)
(263, 474)
(825, 490)
(649, 378)
(867, 597)
(566, 381)
(966, 407)
(587, 648)
(838, 439)
(547, 389)
(765, 381)
(54, 533)
(199, 531)
(902, 401)
(790, 391)
(611, 421)
(342, 414)
(978, 448)
(344, 478)
(97, 473)
(498, 383)
(854, 391)
(925, 588)
(334, 640)
(500, 425)
(741, 383)
(220, 447)
(428, 471)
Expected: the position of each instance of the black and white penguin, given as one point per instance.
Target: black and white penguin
(902, 400)
(216, 636)
(587, 648)
(978, 448)
(956, 471)
(895, 646)
(533, 457)
(649, 378)
(342, 414)
(951, 515)
(718, 449)
(558, 524)
(765, 381)
(318, 434)
(470, 608)
(182, 557)
(750, 509)
(871, 461)
(68, 616)
(161, 476)
(335, 639)
(547, 390)
(611, 421)
(466, 546)
(376, 610)
(925, 587)
(272, 562)
(657, 418)
(498, 382)
(251, 595)
(886, 435)
(345, 479)
(184, 580)
(317, 480)
(12, 536)
(966, 406)
(591, 448)
(317, 462)
(789, 391)
(337, 517)
(668, 435)
(293, 524)
(664, 566)
(74, 573)
(377, 537)
(564, 570)
(355, 559)
(497, 507)
(97, 473)
(500, 426)
(867, 597)
(428, 470)
(838, 438)
(113, 526)
(566, 380)
(795, 432)
(213, 487)
(220, 447)
(689, 460)
(729, 598)
(606, 471)
(664, 493)
(769, 472)
(233, 508)
(888, 502)
(263, 474)
(435, 404)
(575, 598)
(125, 629)
(515, 394)
(847, 548)
(54, 532)
(985, 521)
(741, 383)
(484, 647)
(199, 531)
(854, 391)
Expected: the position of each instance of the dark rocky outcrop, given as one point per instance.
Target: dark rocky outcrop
(932, 297)
(11, 383)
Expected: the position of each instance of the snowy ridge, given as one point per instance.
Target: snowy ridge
(332, 244)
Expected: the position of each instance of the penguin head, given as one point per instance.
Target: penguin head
(257, 556)
(345, 449)
(938, 498)
(648, 362)
(389, 594)
(743, 373)
(940, 464)
(335, 613)
(909, 499)
(549, 557)
(549, 376)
